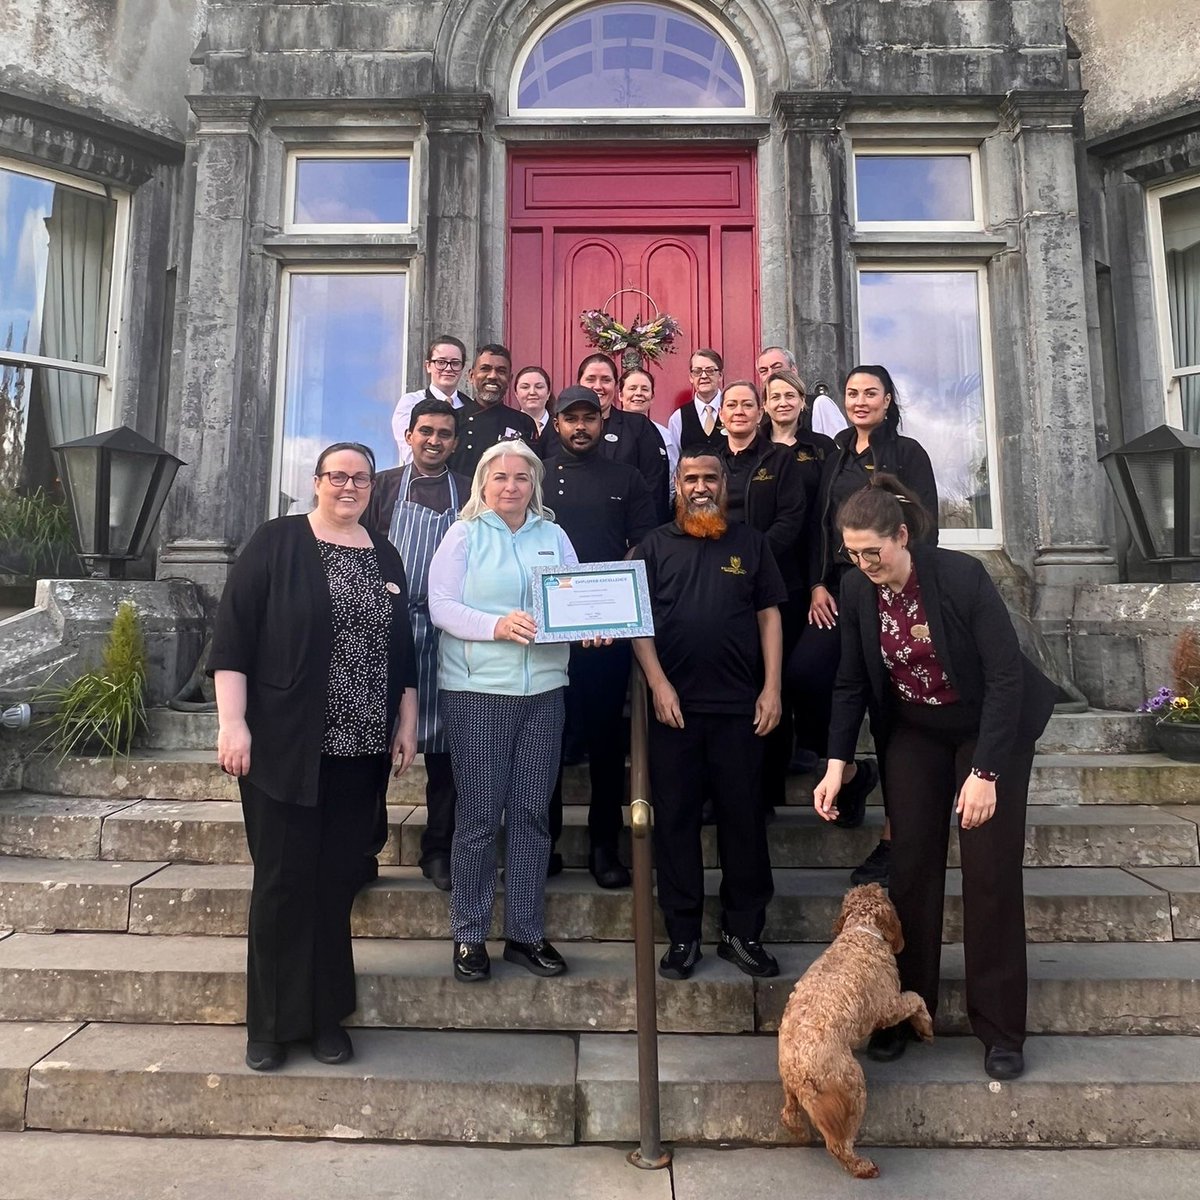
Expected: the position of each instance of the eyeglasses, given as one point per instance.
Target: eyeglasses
(858, 557)
(447, 364)
(339, 478)
(702, 372)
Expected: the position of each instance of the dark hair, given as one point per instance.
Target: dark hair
(545, 375)
(431, 408)
(493, 348)
(447, 339)
(707, 352)
(746, 383)
(882, 507)
(700, 450)
(635, 371)
(598, 357)
(357, 447)
(891, 414)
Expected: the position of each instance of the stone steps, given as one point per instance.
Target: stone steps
(211, 831)
(1104, 988)
(551, 1089)
(1083, 904)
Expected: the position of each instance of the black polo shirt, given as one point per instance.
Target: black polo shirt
(604, 506)
(706, 595)
(480, 427)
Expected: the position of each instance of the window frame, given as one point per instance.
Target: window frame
(992, 537)
(406, 151)
(688, 7)
(1172, 393)
(287, 271)
(868, 148)
(105, 373)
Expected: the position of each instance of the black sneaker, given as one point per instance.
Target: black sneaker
(875, 868)
(680, 960)
(750, 957)
(265, 1056)
(471, 962)
(852, 799)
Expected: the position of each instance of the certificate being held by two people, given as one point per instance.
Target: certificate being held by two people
(592, 601)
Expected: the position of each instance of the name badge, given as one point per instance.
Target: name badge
(921, 632)
(611, 437)
(394, 588)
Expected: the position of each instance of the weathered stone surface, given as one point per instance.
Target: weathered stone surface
(41, 895)
(167, 729)
(1104, 836)
(53, 826)
(1183, 886)
(1113, 779)
(1097, 731)
(153, 1079)
(21, 1045)
(1076, 1092)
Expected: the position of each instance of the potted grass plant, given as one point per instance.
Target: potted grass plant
(1177, 708)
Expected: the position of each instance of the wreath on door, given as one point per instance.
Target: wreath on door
(636, 344)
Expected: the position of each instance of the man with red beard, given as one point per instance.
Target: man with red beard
(713, 667)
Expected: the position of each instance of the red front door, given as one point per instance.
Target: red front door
(678, 226)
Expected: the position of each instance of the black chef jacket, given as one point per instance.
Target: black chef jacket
(706, 595)
(480, 427)
(631, 438)
(603, 506)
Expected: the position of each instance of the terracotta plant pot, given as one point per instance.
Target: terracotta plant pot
(1178, 740)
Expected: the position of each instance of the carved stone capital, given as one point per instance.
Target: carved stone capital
(228, 114)
(456, 112)
(1022, 110)
(810, 110)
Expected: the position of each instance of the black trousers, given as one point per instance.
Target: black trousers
(307, 868)
(595, 708)
(809, 673)
(717, 755)
(777, 752)
(928, 756)
(440, 798)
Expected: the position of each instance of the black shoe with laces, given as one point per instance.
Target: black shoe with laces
(748, 956)
(680, 960)
(471, 962)
(875, 868)
(852, 799)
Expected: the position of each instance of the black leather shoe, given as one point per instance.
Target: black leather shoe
(875, 868)
(852, 799)
(886, 1045)
(437, 871)
(680, 960)
(748, 956)
(554, 864)
(332, 1046)
(471, 962)
(607, 869)
(539, 957)
(1004, 1064)
(265, 1056)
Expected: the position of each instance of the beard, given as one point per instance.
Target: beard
(709, 523)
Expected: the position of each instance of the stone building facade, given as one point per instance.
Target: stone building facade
(290, 199)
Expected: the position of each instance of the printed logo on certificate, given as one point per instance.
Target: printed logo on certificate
(591, 600)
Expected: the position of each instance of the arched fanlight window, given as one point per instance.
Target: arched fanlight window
(631, 56)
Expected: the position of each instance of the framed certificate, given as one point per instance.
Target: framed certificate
(592, 600)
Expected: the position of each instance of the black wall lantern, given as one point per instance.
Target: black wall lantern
(1157, 481)
(115, 483)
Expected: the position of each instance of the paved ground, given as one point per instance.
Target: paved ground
(41, 1166)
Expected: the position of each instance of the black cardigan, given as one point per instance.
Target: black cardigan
(274, 626)
(976, 646)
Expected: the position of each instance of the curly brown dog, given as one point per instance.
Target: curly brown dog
(849, 992)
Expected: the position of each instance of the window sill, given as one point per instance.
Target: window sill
(973, 246)
(341, 248)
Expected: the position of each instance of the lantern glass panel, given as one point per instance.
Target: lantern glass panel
(154, 503)
(1153, 479)
(131, 477)
(81, 472)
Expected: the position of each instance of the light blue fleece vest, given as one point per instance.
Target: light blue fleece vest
(499, 579)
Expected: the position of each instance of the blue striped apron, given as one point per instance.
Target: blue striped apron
(416, 532)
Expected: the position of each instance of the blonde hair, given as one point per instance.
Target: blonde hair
(475, 506)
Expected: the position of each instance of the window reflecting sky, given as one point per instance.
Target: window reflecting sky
(25, 205)
(892, 187)
(351, 191)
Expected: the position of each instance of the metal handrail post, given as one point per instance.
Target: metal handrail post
(650, 1155)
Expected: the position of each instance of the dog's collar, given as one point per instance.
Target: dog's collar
(869, 929)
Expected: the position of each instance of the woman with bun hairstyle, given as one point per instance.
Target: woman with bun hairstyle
(929, 650)
(535, 398)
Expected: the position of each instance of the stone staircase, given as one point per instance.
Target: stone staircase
(122, 979)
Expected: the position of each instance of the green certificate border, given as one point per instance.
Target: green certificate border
(642, 627)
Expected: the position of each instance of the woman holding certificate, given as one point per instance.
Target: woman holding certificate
(501, 700)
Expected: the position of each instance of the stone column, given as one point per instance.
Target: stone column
(454, 272)
(213, 505)
(819, 268)
(1059, 470)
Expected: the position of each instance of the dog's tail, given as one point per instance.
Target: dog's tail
(833, 1113)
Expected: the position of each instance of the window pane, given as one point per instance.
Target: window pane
(924, 327)
(907, 187)
(631, 56)
(1181, 241)
(344, 372)
(351, 191)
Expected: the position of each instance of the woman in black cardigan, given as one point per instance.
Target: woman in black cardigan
(315, 676)
(929, 650)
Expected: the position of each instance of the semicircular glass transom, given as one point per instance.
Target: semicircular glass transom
(631, 56)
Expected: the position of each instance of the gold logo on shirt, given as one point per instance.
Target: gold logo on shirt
(735, 566)
(762, 476)
(804, 456)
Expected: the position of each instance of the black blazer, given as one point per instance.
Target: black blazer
(630, 437)
(274, 625)
(976, 646)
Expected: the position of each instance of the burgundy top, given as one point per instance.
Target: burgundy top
(907, 648)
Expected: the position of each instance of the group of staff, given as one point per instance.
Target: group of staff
(795, 586)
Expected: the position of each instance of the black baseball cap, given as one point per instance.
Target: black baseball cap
(575, 395)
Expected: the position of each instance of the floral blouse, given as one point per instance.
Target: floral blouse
(907, 648)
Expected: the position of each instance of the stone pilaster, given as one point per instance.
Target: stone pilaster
(815, 183)
(217, 497)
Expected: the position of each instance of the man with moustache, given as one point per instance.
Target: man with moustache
(605, 508)
(487, 419)
(699, 423)
(413, 506)
(444, 362)
(713, 668)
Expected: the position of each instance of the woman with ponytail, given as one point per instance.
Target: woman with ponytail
(929, 650)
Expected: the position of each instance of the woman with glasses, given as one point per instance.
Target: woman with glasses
(315, 675)
(929, 650)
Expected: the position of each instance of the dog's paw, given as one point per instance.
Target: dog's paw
(864, 1168)
(923, 1026)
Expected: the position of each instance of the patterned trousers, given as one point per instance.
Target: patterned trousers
(505, 751)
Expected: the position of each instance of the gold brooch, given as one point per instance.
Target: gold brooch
(920, 632)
